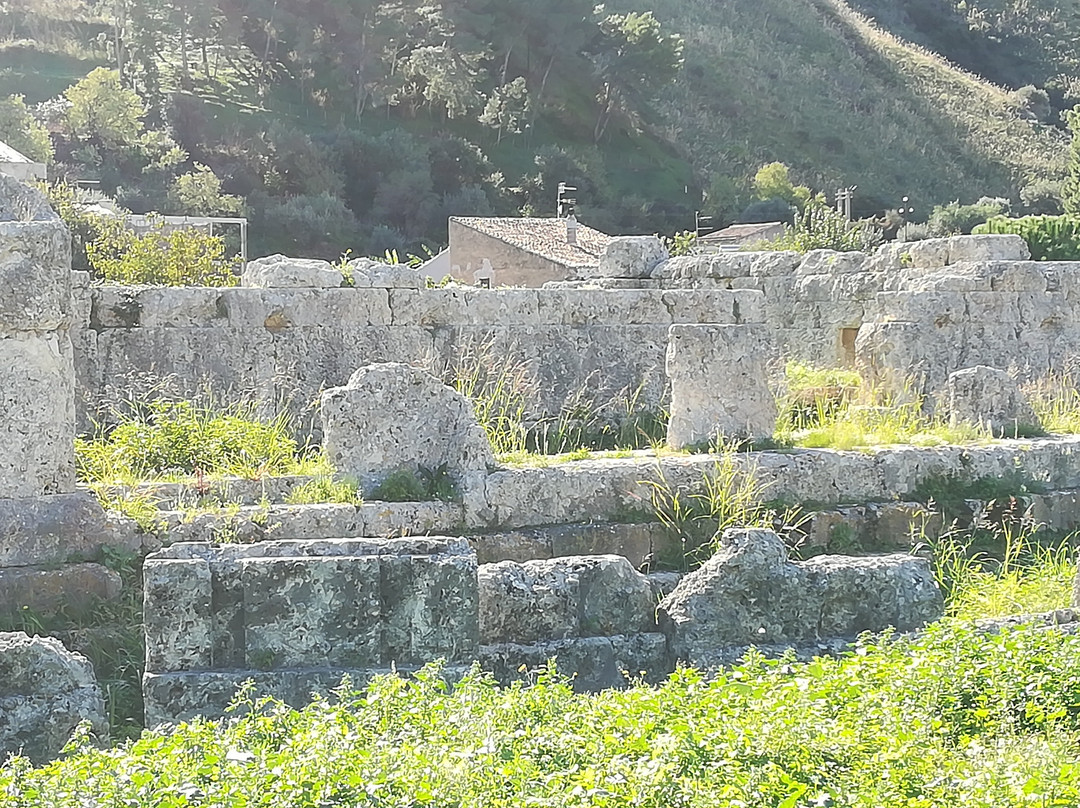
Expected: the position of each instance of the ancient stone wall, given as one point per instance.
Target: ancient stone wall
(286, 345)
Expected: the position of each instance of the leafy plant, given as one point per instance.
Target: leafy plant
(1049, 238)
(161, 256)
(819, 227)
(417, 485)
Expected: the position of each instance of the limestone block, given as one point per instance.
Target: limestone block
(178, 622)
(390, 417)
(719, 306)
(37, 414)
(115, 307)
(61, 528)
(630, 257)
(873, 593)
(771, 264)
(583, 307)
(831, 262)
(927, 254)
(35, 261)
(938, 308)
(281, 272)
(181, 307)
(46, 591)
(279, 309)
(575, 596)
(376, 274)
(312, 612)
(986, 395)
(45, 692)
(464, 306)
(988, 247)
(429, 608)
(749, 593)
(888, 260)
(719, 383)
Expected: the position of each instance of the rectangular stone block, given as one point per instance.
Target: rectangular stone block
(457, 306)
(37, 414)
(429, 609)
(181, 307)
(35, 275)
(177, 617)
(594, 307)
(312, 612)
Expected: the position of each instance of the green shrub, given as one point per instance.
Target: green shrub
(182, 257)
(326, 490)
(1050, 238)
(819, 227)
(181, 438)
(956, 219)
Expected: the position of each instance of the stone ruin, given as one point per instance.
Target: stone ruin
(528, 563)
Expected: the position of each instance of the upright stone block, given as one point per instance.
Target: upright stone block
(393, 417)
(37, 376)
(178, 624)
(719, 383)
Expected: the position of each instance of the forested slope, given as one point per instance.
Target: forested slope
(364, 125)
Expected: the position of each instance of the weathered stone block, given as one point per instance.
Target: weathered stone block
(831, 262)
(45, 692)
(987, 396)
(630, 257)
(178, 624)
(772, 264)
(282, 272)
(37, 414)
(56, 529)
(312, 612)
(749, 593)
(719, 383)
(577, 596)
(367, 272)
(391, 417)
(45, 591)
(429, 609)
(989, 247)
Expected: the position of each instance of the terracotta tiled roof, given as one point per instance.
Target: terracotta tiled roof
(740, 231)
(543, 237)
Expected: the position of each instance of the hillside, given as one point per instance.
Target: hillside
(811, 83)
(816, 85)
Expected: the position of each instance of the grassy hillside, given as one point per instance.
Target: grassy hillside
(817, 85)
(811, 83)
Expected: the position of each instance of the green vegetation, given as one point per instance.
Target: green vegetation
(423, 485)
(161, 256)
(110, 635)
(1050, 238)
(954, 717)
(838, 410)
(1026, 576)
(324, 490)
(956, 219)
(820, 227)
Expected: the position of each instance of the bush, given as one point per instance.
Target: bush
(70, 203)
(183, 438)
(1050, 238)
(182, 257)
(819, 227)
(956, 219)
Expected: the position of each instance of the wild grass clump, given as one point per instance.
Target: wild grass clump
(730, 494)
(505, 393)
(1023, 573)
(181, 439)
(325, 490)
(823, 409)
(1055, 398)
(953, 717)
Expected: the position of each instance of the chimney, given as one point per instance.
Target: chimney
(571, 229)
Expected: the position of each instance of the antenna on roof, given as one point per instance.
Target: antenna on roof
(565, 204)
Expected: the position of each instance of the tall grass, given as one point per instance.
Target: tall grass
(837, 409)
(1056, 402)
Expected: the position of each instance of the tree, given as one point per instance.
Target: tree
(198, 193)
(630, 55)
(507, 108)
(772, 181)
(103, 110)
(22, 132)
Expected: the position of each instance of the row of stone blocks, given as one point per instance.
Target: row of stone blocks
(295, 616)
